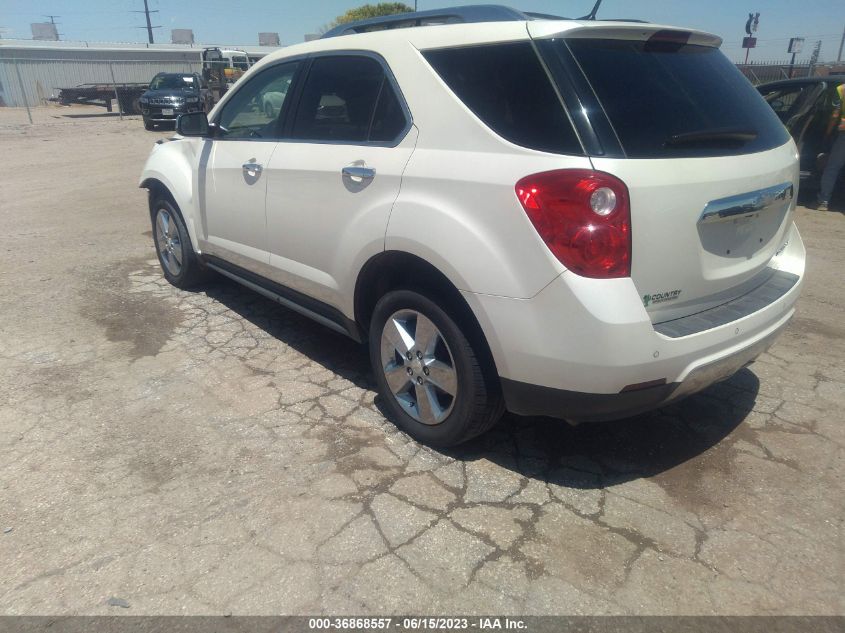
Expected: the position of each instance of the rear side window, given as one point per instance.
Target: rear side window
(676, 100)
(348, 98)
(507, 88)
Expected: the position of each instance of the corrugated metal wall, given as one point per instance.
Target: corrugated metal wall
(42, 77)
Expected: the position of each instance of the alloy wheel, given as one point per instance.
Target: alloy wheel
(168, 241)
(418, 366)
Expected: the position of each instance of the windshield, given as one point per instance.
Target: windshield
(668, 101)
(172, 82)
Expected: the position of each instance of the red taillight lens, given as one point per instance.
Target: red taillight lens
(584, 217)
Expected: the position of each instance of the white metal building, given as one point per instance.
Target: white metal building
(32, 71)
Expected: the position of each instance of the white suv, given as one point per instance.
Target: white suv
(578, 219)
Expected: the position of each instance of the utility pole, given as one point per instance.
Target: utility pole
(149, 26)
(814, 58)
(841, 44)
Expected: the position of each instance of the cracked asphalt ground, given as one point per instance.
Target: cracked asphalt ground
(210, 452)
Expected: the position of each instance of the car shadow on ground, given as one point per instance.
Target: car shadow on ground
(600, 454)
(334, 351)
(95, 115)
(591, 455)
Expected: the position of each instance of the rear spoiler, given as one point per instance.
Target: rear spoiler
(621, 31)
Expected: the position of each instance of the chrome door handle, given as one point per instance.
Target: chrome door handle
(364, 173)
(253, 168)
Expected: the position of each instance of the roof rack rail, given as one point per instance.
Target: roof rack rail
(452, 15)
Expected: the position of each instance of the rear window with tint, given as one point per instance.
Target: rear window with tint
(676, 100)
(507, 88)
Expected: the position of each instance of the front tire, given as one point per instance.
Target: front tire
(429, 375)
(148, 125)
(175, 253)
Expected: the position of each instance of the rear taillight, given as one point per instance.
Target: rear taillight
(584, 217)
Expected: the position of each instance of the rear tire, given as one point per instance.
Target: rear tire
(440, 394)
(175, 253)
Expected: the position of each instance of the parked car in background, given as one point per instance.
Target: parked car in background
(806, 108)
(579, 219)
(172, 94)
(273, 95)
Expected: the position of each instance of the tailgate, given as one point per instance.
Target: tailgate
(711, 171)
(704, 229)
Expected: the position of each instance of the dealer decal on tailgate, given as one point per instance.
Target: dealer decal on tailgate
(660, 297)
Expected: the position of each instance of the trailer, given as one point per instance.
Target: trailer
(221, 68)
(127, 94)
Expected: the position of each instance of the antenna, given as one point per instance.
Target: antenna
(592, 14)
(52, 19)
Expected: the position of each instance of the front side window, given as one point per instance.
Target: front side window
(253, 111)
(348, 98)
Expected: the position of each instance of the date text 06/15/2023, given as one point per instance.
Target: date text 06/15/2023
(417, 624)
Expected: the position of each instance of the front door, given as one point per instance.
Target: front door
(232, 181)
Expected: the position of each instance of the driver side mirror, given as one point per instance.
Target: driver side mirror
(193, 124)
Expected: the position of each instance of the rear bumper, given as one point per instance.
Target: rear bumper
(527, 399)
(585, 349)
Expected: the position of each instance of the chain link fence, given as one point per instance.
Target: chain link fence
(761, 72)
(114, 84)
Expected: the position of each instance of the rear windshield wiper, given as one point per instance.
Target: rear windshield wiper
(715, 136)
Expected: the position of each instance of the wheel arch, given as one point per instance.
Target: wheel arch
(391, 270)
(156, 186)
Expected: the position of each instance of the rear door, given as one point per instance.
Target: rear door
(710, 169)
(334, 178)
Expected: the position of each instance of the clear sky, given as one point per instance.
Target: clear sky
(238, 21)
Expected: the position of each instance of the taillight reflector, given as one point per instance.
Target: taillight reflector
(584, 217)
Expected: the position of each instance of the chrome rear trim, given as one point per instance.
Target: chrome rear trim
(746, 204)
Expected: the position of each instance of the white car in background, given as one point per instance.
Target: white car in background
(577, 219)
(271, 103)
(273, 96)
